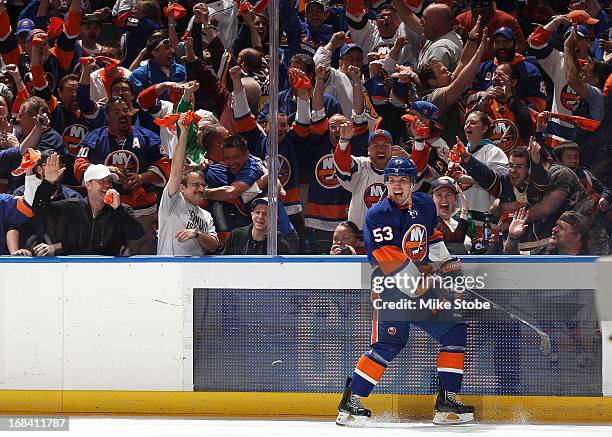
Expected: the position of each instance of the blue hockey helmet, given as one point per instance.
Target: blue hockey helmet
(400, 167)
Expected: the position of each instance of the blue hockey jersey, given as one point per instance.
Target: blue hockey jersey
(395, 236)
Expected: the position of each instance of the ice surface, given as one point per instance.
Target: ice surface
(179, 427)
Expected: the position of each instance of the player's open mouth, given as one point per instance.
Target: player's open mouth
(381, 156)
(444, 205)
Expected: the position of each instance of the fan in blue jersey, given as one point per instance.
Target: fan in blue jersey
(401, 238)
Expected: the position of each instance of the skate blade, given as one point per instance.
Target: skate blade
(444, 418)
(346, 419)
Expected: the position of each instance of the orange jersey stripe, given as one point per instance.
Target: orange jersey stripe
(121, 19)
(22, 96)
(245, 124)
(360, 128)
(421, 157)
(5, 25)
(140, 202)
(452, 360)
(72, 24)
(538, 102)
(370, 368)
(12, 56)
(23, 208)
(377, 123)
(80, 165)
(52, 103)
(163, 164)
(64, 58)
(435, 237)
(292, 196)
(38, 76)
(343, 159)
(301, 130)
(147, 97)
(539, 37)
(374, 338)
(389, 258)
(320, 127)
(335, 212)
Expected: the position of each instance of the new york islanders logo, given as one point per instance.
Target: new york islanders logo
(569, 99)
(373, 193)
(505, 134)
(325, 173)
(284, 170)
(73, 135)
(124, 160)
(414, 243)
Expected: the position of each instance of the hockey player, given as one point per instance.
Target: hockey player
(400, 237)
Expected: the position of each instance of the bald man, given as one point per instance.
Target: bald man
(253, 93)
(441, 40)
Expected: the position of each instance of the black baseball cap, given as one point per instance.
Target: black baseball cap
(259, 201)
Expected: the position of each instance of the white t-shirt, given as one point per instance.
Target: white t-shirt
(493, 157)
(175, 214)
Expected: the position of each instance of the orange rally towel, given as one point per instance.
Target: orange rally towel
(299, 83)
(108, 198)
(102, 61)
(409, 118)
(168, 121)
(457, 151)
(176, 10)
(244, 6)
(421, 130)
(28, 160)
(56, 26)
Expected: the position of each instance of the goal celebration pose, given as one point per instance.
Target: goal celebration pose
(402, 242)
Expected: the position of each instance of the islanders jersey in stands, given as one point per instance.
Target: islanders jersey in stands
(139, 152)
(531, 86)
(328, 201)
(395, 236)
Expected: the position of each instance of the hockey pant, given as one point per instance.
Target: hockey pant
(389, 337)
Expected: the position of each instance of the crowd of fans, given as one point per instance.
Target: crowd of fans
(142, 127)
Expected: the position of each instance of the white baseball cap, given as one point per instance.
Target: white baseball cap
(98, 172)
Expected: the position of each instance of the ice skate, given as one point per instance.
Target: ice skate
(450, 411)
(350, 410)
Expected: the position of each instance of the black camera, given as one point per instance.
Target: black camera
(346, 251)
